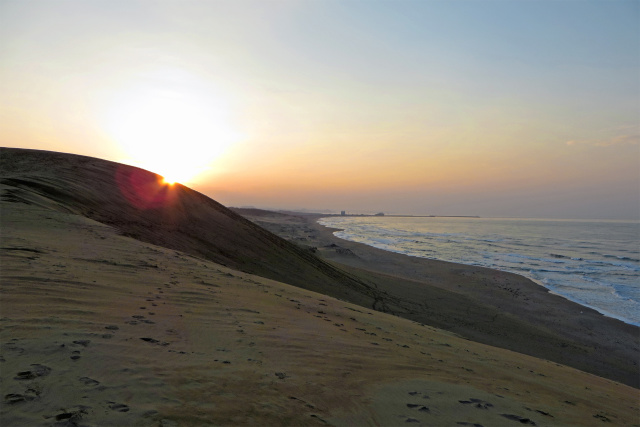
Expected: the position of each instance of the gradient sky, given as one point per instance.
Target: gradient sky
(477, 107)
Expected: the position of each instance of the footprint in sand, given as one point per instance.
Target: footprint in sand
(72, 416)
(29, 395)
(120, 407)
(318, 418)
(521, 420)
(478, 403)
(12, 398)
(415, 406)
(37, 370)
(154, 341)
(89, 381)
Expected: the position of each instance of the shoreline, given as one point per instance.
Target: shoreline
(520, 273)
(385, 215)
(490, 306)
(327, 215)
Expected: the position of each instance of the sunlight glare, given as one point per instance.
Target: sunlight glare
(168, 181)
(176, 134)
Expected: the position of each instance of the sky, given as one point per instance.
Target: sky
(497, 108)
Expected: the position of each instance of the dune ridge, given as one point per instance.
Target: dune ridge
(106, 321)
(137, 203)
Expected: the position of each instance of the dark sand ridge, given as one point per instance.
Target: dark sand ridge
(507, 315)
(99, 329)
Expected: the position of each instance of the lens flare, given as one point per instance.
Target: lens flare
(175, 133)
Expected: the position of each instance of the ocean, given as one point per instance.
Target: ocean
(595, 263)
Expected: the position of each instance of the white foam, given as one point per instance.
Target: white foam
(566, 257)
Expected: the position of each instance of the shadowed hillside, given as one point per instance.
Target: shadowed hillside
(141, 206)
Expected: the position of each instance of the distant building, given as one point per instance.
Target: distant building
(380, 214)
(343, 213)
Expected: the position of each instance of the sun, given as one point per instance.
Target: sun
(168, 181)
(174, 133)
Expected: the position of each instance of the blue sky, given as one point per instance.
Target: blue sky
(493, 108)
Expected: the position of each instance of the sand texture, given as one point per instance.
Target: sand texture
(99, 328)
(493, 307)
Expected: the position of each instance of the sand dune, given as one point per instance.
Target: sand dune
(138, 204)
(99, 328)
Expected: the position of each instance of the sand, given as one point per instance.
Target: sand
(100, 328)
(484, 305)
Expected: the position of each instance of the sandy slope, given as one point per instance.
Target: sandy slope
(137, 203)
(101, 329)
(493, 307)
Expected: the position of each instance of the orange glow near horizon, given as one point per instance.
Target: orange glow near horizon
(167, 181)
(176, 132)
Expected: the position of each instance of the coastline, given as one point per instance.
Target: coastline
(524, 274)
(489, 306)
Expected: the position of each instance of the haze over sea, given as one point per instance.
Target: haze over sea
(595, 263)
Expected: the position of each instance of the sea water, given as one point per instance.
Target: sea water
(594, 263)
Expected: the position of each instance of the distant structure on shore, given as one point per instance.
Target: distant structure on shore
(379, 214)
(343, 213)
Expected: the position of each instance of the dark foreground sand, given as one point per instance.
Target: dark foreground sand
(100, 328)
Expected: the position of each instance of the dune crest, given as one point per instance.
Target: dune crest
(140, 205)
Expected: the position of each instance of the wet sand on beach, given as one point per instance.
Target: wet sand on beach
(493, 307)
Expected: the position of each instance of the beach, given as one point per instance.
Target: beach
(113, 315)
(490, 306)
(595, 263)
